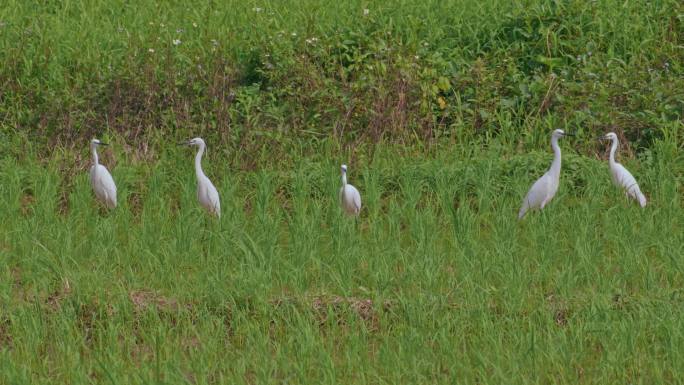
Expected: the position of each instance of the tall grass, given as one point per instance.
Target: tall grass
(442, 109)
(438, 281)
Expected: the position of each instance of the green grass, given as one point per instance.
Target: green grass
(441, 109)
(587, 291)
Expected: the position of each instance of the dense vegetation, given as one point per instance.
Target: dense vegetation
(250, 74)
(443, 112)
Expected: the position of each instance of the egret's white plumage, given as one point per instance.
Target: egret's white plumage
(621, 177)
(206, 192)
(101, 179)
(545, 188)
(350, 199)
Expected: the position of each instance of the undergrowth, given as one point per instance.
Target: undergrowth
(252, 75)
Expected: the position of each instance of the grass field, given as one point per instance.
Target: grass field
(438, 281)
(443, 112)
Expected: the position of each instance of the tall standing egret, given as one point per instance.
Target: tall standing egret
(101, 179)
(350, 199)
(545, 188)
(622, 177)
(207, 195)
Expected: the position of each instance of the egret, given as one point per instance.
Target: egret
(622, 177)
(545, 188)
(101, 179)
(207, 195)
(350, 199)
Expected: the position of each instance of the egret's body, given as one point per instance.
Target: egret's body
(100, 178)
(207, 195)
(544, 189)
(350, 199)
(621, 177)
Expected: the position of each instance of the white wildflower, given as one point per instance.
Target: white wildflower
(151, 50)
(366, 12)
(257, 9)
(176, 41)
(194, 25)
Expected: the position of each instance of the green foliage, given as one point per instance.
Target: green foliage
(253, 75)
(438, 280)
(442, 109)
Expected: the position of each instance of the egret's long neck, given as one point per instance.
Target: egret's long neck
(344, 178)
(613, 148)
(198, 161)
(556, 165)
(93, 150)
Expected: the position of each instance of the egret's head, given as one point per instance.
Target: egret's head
(558, 133)
(344, 169)
(97, 142)
(194, 142)
(609, 136)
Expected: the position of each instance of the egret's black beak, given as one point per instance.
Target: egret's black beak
(103, 144)
(601, 137)
(183, 143)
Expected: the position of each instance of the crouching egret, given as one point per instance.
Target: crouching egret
(350, 199)
(622, 177)
(207, 195)
(545, 188)
(101, 179)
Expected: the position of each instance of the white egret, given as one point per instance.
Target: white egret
(350, 199)
(545, 188)
(622, 177)
(206, 192)
(101, 179)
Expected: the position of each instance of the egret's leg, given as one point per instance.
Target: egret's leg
(544, 216)
(541, 207)
(204, 238)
